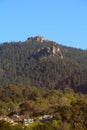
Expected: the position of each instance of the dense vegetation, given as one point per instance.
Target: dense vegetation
(20, 66)
(69, 108)
(36, 85)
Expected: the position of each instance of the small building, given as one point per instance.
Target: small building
(46, 118)
(28, 121)
(6, 118)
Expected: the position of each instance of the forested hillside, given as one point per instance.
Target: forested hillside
(40, 78)
(69, 109)
(43, 64)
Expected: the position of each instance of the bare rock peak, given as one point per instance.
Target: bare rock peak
(36, 38)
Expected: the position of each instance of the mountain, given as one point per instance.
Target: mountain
(44, 64)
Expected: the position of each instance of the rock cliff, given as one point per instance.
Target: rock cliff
(36, 38)
(51, 50)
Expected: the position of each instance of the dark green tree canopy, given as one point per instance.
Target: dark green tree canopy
(43, 64)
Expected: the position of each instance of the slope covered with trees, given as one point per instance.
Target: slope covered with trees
(39, 77)
(69, 109)
(30, 63)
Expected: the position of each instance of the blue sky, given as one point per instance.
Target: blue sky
(62, 21)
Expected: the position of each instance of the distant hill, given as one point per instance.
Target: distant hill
(43, 63)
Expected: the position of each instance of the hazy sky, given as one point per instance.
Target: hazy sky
(62, 21)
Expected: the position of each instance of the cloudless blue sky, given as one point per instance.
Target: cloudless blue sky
(62, 21)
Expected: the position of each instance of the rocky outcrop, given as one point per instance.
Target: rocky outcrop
(36, 38)
(49, 51)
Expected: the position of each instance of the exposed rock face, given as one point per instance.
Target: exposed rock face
(36, 38)
(49, 51)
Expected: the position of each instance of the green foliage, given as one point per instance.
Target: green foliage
(69, 109)
(7, 126)
(19, 65)
(34, 86)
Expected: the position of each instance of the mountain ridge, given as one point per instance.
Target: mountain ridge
(43, 63)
